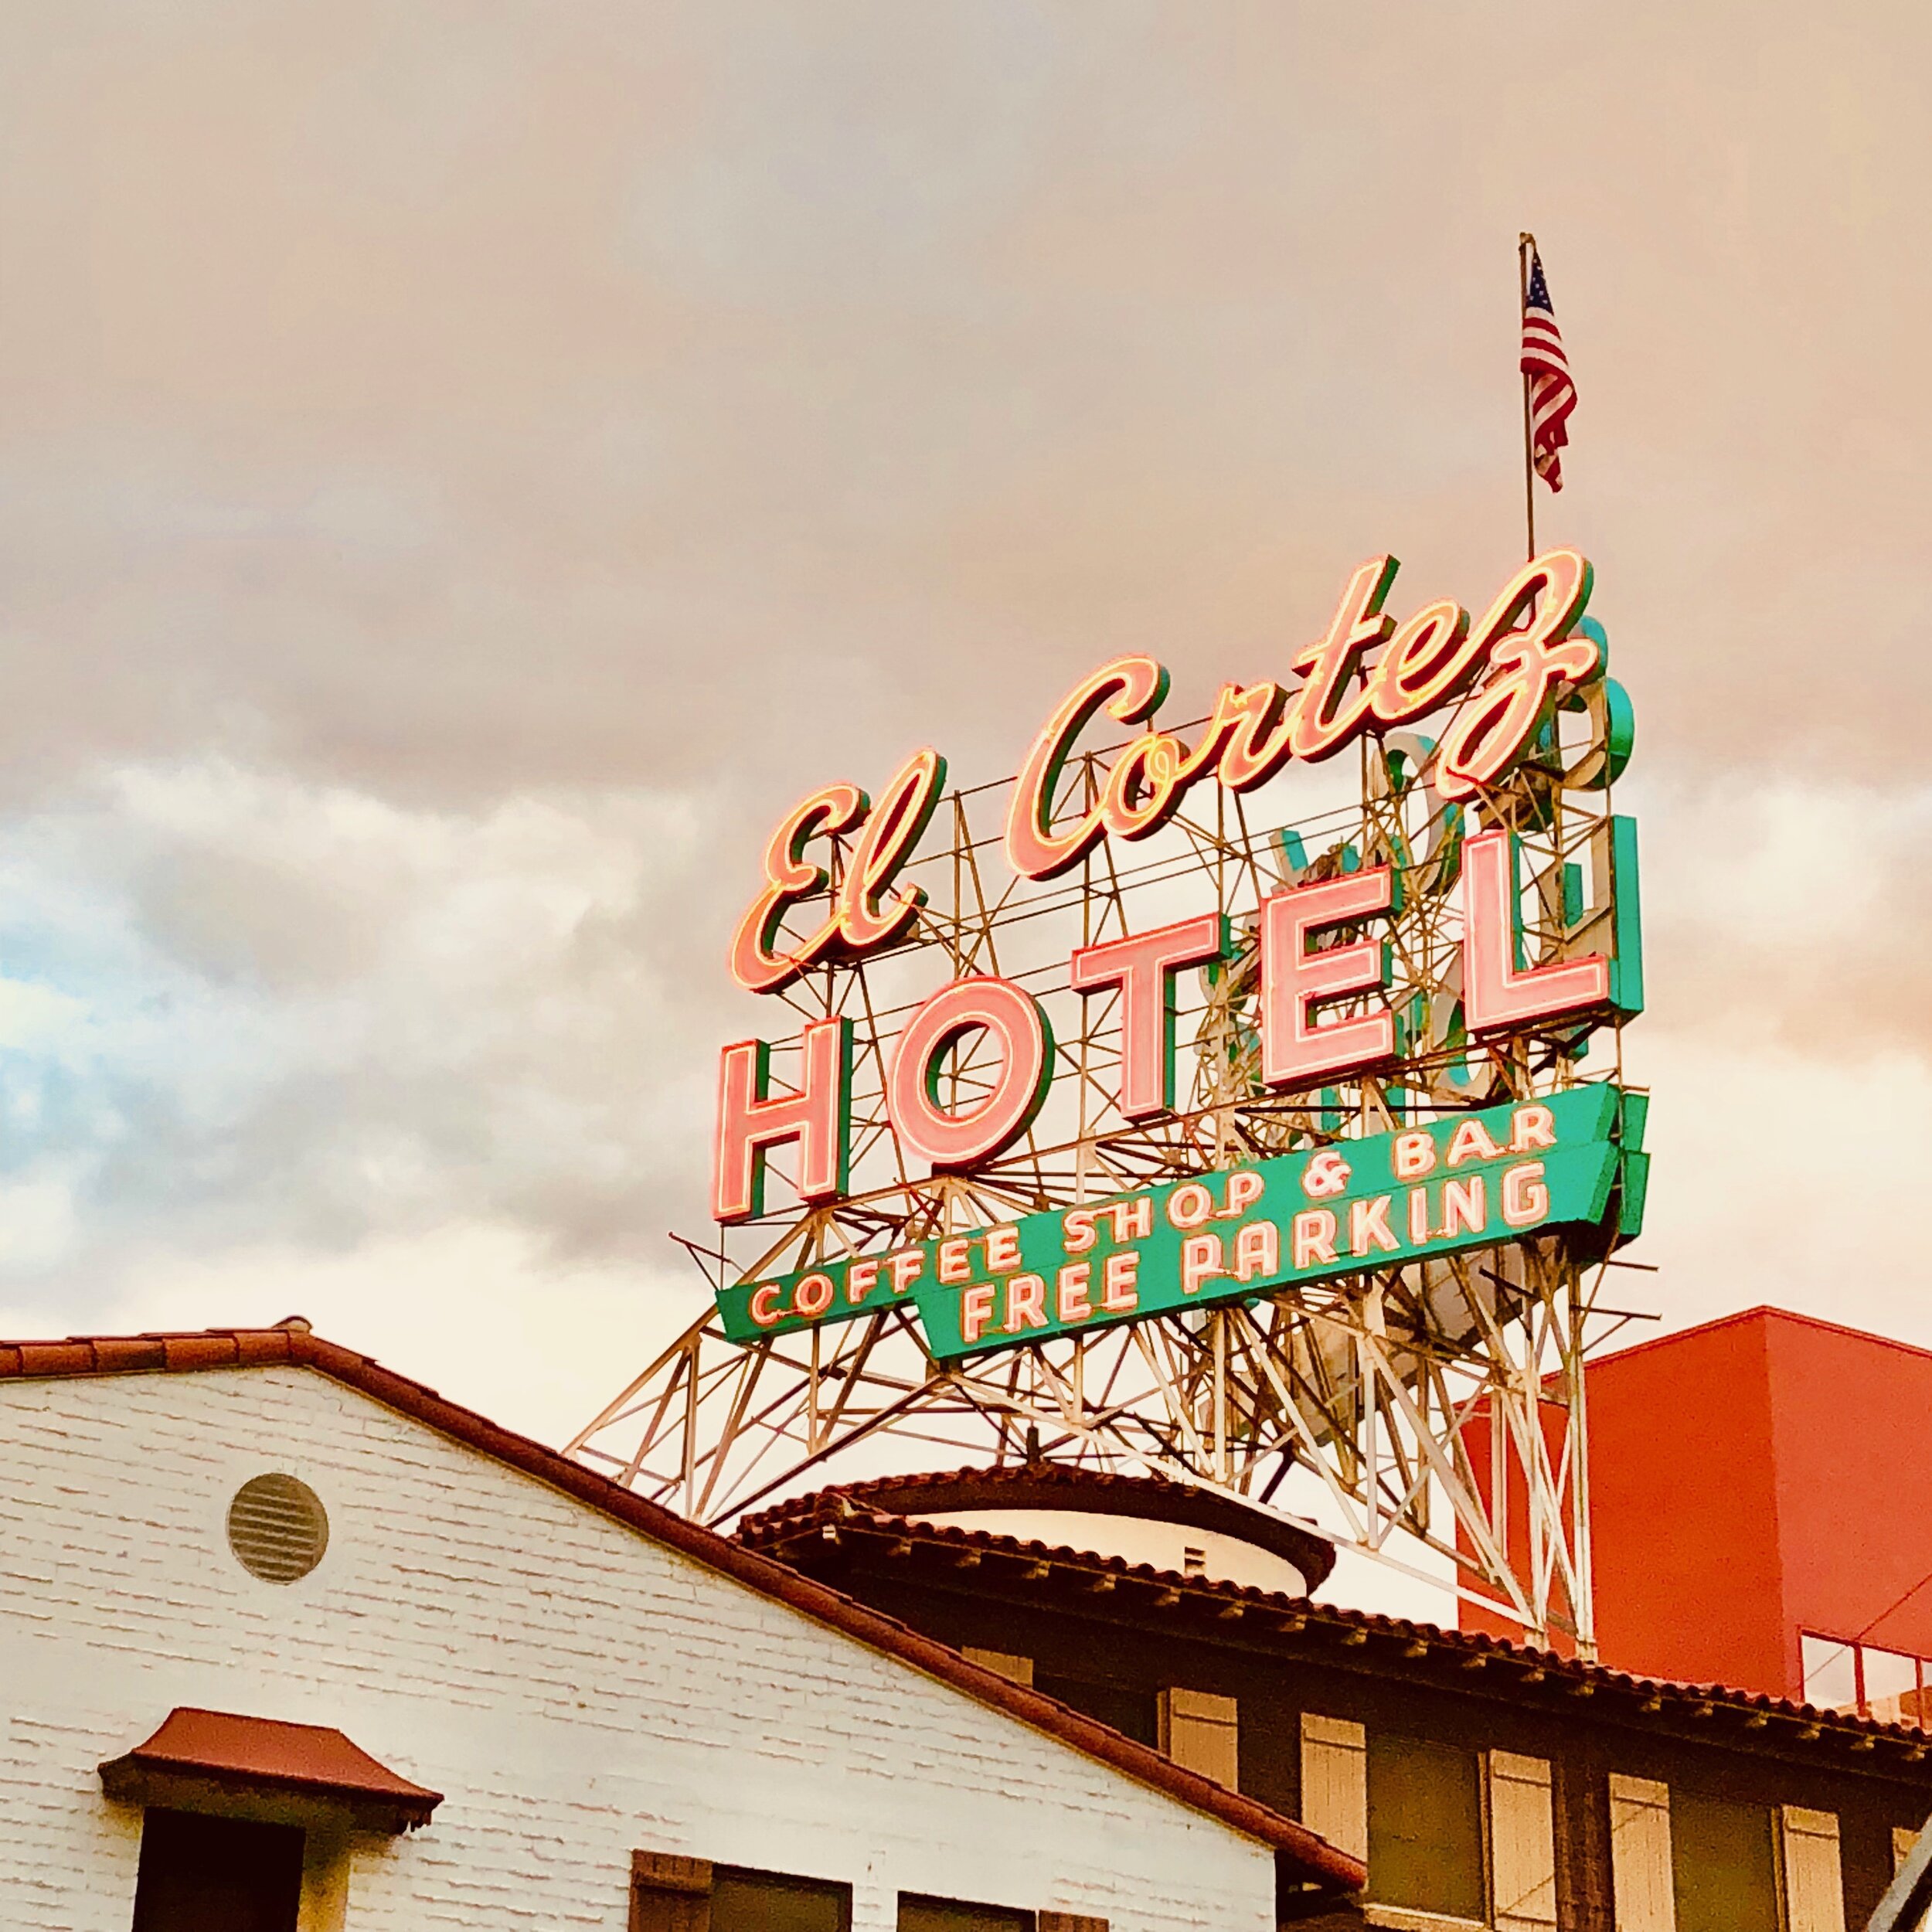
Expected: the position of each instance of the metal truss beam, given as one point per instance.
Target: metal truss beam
(1436, 1408)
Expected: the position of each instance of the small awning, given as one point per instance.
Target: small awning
(198, 1753)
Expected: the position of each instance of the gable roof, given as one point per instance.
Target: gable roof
(807, 1531)
(292, 1343)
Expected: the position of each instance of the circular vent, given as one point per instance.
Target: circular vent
(277, 1529)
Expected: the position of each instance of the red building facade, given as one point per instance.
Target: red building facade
(1755, 1486)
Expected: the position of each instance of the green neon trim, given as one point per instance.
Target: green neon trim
(846, 1043)
(1626, 919)
(1170, 1010)
(760, 1091)
(1572, 895)
(1620, 730)
(1456, 1074)
(1515, 905)
(1634, 1193)
(760, 1082)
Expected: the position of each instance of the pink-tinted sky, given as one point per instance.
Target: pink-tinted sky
(461, 469)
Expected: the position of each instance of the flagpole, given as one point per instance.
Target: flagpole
(1525, 243)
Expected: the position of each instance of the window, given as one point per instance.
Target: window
(950, 1915)
(1892, 1685)
(202, 1874)
(1134, 1714)
(673, 1894)
(1685, 1862)
(1723, 1864)
(1814, 1875)
(764, 1902)
(1425, 1826)
(1193, 1561)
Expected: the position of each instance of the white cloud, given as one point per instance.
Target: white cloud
(243, 1005)
(479, 1310)
(38, 1226)
(1788, 1178)
(446, 510)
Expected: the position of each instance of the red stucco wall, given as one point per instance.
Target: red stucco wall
(1684, 1508)
(1753, 1479)
(1851, 1421)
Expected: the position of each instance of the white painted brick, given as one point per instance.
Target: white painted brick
(574, 1689)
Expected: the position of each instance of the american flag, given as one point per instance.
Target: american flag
(1552, 394)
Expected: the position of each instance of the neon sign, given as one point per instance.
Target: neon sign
(1324, 1008)
(1529, 641)
(1424, 1191)
(1257, 729)
(866, 913)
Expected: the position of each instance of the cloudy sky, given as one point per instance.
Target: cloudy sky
(463, 469)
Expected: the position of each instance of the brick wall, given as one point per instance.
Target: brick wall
(575, 1690)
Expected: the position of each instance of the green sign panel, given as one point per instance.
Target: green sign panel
(1472, 1180)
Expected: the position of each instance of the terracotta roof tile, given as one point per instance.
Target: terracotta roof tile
(56, 1358)
(801, 1520)
(115, 1353)
(203, 1351)
(271, 1346)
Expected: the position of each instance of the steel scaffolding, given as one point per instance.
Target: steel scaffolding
(1437, 1407)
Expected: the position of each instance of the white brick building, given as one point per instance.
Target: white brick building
(622, 1714)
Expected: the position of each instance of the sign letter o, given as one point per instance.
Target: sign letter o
(947, 1138)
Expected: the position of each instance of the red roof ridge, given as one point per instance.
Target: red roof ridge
(187, 1352)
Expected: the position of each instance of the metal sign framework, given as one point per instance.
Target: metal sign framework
(1436, 1407)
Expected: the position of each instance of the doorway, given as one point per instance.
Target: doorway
(201, 1874)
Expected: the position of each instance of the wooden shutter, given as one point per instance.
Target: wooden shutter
(1015, 1670)
(1522, 1844)
(1813, 1885)
(1641, 1876)
(1070, 1922)
(1201, 1732)
(1335, 1782)
(669, 1894)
